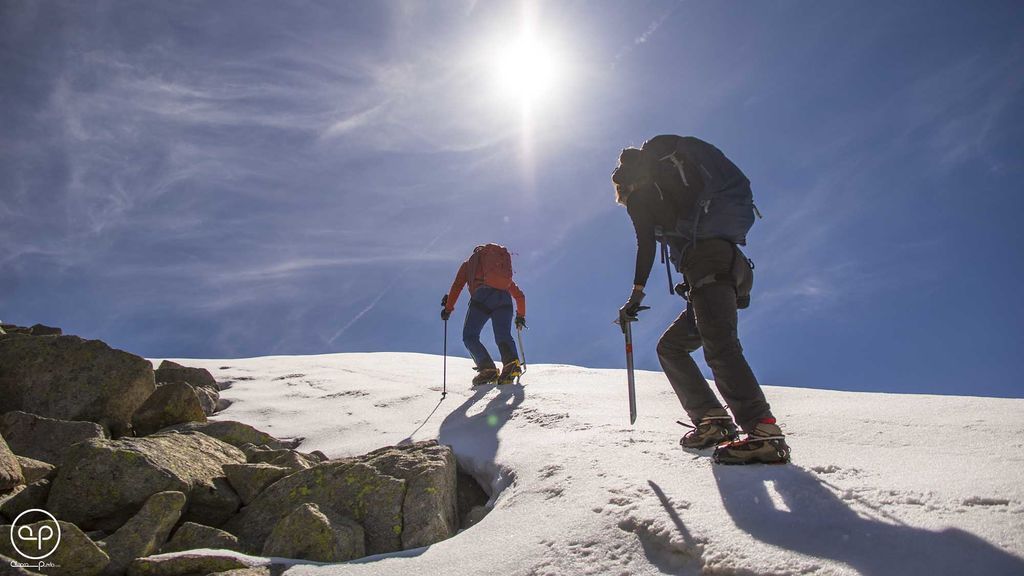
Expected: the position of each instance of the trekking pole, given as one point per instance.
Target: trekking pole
(624, 321)
(522, 354)
(444, 362)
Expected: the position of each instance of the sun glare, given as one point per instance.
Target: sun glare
(526, 70)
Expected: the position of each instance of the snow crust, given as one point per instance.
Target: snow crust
(879, 484)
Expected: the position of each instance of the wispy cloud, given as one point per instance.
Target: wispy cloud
(960, 105)
(290, 268)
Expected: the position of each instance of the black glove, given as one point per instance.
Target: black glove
(632, 306)
(445, 314)
(520, 322)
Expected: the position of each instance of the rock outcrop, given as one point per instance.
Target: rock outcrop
(25, 498)
(68, 378)
(291, 459)
(429, 507)
(10, 470)
(172, 403)
(192, 463)
(404, 497)
(192, 536)
(200, 379)
(45, 439)
(145, 533)
(64, 398)
(208, 399)
(179, 564)
(34, 470)
(234, 433)
(76, 555)
(173, 372)
(249, 480)
(310, 534)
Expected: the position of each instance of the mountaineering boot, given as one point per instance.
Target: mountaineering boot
(714, 428)
(486, 376)
(509, 372)
(765, 444)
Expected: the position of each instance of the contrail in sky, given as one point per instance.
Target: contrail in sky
(386, 289)
(651, 29)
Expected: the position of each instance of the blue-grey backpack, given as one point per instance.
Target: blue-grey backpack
(724, 207)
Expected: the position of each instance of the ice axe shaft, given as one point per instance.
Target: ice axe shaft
(522, 354)
(624, 322)
(444, 362)
(630, 381)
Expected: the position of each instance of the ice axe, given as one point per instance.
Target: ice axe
(444, 363)
(624, 321)
(522, 353)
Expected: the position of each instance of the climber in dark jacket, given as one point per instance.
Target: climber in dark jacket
(685, 192)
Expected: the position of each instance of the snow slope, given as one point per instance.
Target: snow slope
(880, 483)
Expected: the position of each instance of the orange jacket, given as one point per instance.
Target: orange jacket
(474, 283)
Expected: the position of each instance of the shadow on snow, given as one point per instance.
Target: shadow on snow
(820, 524)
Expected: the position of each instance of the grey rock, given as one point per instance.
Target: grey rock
(223, 404)
(34, 470)
(25, 498)
(346, 488)
(173, 372)
(10, 470)
(249, 480)
(429, 510)
(234, 433)
(76, 555)
(284, 458)
(208, 398)
(4, 497)
(145, 533)
(172, 403)
(311, 534)
(103, 483)
(214, 503)
(390, 492)
(183, 564)
(68, 378)
(271, 570)
(192, 536)
(45, 439)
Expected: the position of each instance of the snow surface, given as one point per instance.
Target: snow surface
(879, 484)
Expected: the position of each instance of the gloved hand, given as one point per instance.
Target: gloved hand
(520, 322)
(445, 314)
(629, 310)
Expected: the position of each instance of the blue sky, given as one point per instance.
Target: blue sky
(225, 179)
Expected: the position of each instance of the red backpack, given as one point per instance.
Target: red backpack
(491, 264)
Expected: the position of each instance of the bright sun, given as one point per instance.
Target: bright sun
(526, 69)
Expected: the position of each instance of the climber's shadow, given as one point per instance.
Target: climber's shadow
(477, 433)
(818, 523)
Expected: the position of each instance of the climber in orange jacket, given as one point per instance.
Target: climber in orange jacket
(488, 272)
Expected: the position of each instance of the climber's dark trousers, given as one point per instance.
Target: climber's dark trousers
(714, 306)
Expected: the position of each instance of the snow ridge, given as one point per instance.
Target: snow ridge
(880, 483)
